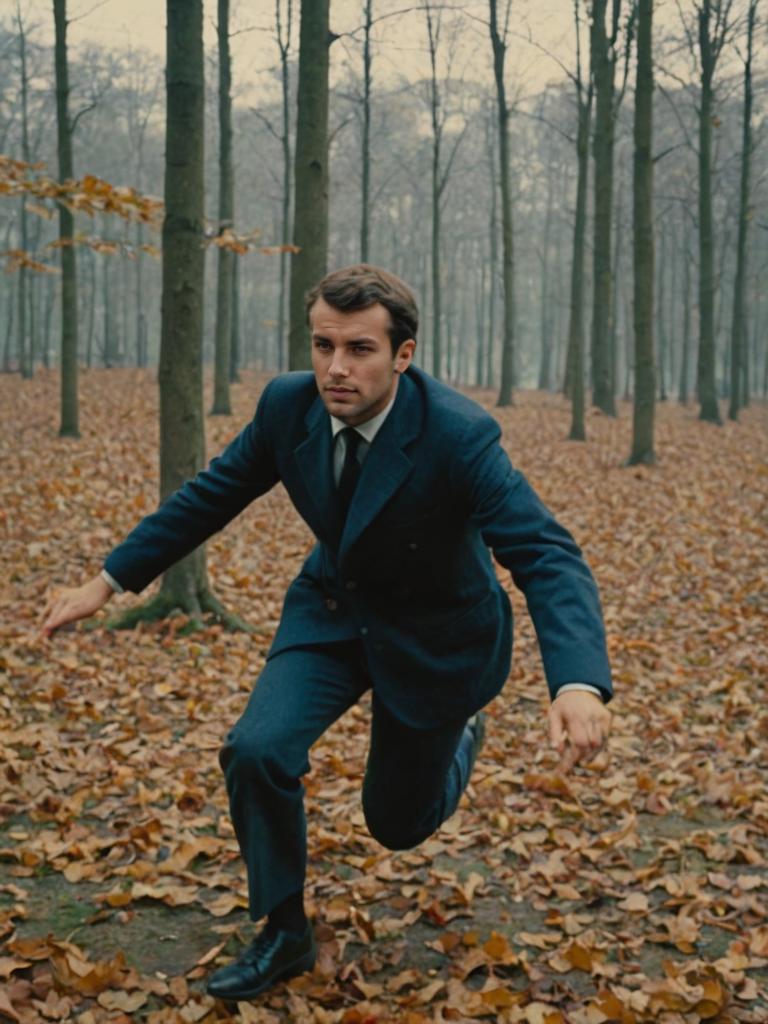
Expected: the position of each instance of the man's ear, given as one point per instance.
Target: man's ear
(404, 355)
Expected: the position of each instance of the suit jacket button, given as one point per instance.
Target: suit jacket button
(331, 604)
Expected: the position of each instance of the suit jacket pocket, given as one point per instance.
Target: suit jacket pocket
(481, 617)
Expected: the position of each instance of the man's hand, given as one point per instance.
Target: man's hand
(579, 724)
(75, 603)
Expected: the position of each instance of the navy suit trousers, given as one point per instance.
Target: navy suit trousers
(413, 781)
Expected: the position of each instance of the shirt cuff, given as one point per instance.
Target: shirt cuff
(586, 687)
(112, 582)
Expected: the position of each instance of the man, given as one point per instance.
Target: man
(406, 488)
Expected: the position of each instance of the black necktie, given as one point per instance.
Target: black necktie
(350, 471)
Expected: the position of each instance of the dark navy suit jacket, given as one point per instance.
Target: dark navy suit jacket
(410, 574)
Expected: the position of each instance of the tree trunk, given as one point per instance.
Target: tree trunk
(493, 231)
(69, 426)
(366, 154)
(671, 318)
(50, 300)
(91, 314)
(437, 136)
(437, 292)
(283, 43)
(221, 402)
(310, 229)
(574, 376)
(707, 391)
(141, 320)
(182, 440)
(603, 59)
(109, 353)
(507, 349)
(660, 310)
(739, 348)
(22, 347)
(685, 363)
(234, 348)
(480, 309)
(26, 359)
(645, 387)
(9, 325)
(545, 311)
(614, 319)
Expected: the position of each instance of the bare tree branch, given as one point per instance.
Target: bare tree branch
(83, 110)
(87, 14)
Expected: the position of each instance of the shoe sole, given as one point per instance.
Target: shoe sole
(304, 963)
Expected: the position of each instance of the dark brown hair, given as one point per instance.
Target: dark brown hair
(361, 286)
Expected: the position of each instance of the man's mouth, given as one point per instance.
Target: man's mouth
(338, 390)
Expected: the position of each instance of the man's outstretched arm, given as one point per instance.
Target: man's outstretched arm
(562, 597)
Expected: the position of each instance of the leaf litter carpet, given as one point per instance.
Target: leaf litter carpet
(633, 890)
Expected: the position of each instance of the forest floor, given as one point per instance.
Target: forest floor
(633, 890)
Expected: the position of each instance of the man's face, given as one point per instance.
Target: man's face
(355, 370)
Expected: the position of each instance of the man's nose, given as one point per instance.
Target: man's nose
(338, 364)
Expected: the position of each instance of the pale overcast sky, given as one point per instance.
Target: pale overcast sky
(400, 40)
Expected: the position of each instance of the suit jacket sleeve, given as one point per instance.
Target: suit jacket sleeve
(543, 559)
(199, 508)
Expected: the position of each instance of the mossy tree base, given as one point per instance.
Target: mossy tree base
(203, 611)
(641, 458)
(184, 591)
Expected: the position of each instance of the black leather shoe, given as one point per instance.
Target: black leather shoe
(274, 955)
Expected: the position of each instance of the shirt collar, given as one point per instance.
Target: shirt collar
(371, 427)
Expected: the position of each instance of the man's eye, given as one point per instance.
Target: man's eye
(324, 346)
(361, 349)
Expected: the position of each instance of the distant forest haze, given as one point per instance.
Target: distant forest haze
(603, 234)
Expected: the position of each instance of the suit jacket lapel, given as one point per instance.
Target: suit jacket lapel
(386, 466)
(314, 459)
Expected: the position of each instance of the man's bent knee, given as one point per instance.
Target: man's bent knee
(263, 753)
(394, 834)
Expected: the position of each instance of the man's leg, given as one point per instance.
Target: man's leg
(300, 693)
(414, 777)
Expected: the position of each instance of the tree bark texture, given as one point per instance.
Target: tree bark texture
(69, 426)
(26, 354)
(642, 217)
(366, 155)
(545, 319)
(225, 275)
(284, 42)
(493, 266)
(708, 54)
(437, 138)
(661, 333)
(234, 348)
(508, 320)
(575, 358)
(739, 349)
(685, 361)
(182, 442)
(603, 60)
(310, 228)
